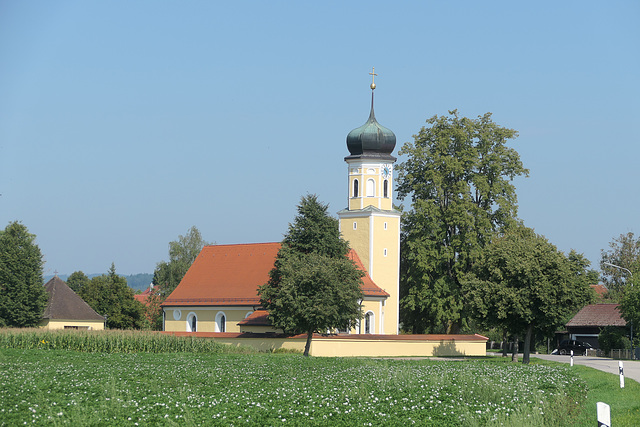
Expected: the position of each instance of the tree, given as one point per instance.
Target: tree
(109, 295)
(458, 176)
(77, 280)
(314, 286)
(522, 283)
(623, 252)
(630, 306)
(182, 253)
(22, 294)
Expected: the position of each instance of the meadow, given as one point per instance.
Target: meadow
(42, 385)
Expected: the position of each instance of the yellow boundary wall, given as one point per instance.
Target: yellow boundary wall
(358, 345)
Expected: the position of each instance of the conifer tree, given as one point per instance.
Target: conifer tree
(22, 294)
(314, 286)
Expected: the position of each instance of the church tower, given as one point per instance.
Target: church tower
(370, 223)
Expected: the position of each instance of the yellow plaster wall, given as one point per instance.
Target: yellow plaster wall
(386, 269)
(336, 347)
(206, 318)
(259, 329)
(395, 348)
(60, 324)
(359, 238)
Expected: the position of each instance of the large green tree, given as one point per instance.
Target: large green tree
(314, 286)
(522, 283)
(109, 295)
(77, 280)
(458, 176)
(623, 252)
(22, 294)
(182, 253)
(630, 306)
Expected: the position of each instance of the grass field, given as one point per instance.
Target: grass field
(59, 387)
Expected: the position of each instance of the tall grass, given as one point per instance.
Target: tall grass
(111, 341)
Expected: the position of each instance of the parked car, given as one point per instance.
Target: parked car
(578, 347)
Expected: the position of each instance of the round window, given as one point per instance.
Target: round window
(177, 314)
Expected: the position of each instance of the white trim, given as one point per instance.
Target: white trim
(372, 322)
(249, 313)
(217, 326)
(190, 316)
(381, 328)
(371, 244)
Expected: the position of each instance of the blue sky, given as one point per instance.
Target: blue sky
(122, 124)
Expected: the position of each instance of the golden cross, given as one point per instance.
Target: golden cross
(373, 78)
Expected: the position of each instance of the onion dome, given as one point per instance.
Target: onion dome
(371, 139)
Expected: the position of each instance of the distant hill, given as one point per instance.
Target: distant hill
(137, 282)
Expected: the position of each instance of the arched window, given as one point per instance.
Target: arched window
(355, 188)
(221, 322)
(386, 188)
(369, 323)
(371, 188)
(192, 322)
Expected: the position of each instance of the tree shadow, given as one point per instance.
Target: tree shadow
(446, 348)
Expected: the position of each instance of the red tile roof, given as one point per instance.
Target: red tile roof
(257, 318)
(142, 297)
(231, 274)
(600, 290)
(598, 315)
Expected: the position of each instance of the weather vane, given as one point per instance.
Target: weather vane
(373, 78)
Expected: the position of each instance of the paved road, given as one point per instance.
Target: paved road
(631, 367)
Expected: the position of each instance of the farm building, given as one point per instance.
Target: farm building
(586, 324)
(66, 310)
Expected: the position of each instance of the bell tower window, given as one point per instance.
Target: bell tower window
(371, 188)
(355, 188)
(386, 188)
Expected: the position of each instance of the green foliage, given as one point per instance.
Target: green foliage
(153, 310)
(630, 304)
(22, 294)
(521, 282)
(109, 295)
(623, 252)
(613, 337)
(108, 342)
(182, 253)
(77, 280)
(314, 286)
(458, 176)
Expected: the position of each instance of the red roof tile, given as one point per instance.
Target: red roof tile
(257, 318)
(600, 290)
(231, 274)
(598, 315)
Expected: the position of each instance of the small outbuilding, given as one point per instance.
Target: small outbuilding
(587, 323)
(66, 310)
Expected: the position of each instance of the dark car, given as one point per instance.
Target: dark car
(578, 347)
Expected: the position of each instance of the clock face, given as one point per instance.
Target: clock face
(386, 171)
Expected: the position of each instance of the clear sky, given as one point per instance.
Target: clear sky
(122, 124)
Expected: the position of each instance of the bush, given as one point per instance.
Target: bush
(612, 337)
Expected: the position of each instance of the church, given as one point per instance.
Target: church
(218, 295)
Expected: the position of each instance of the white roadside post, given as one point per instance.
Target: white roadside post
(620, 368)
(571, 363)
(604, 414)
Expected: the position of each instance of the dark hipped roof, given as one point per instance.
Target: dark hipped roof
(231, 274)
(598, 315)
(65, 304)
